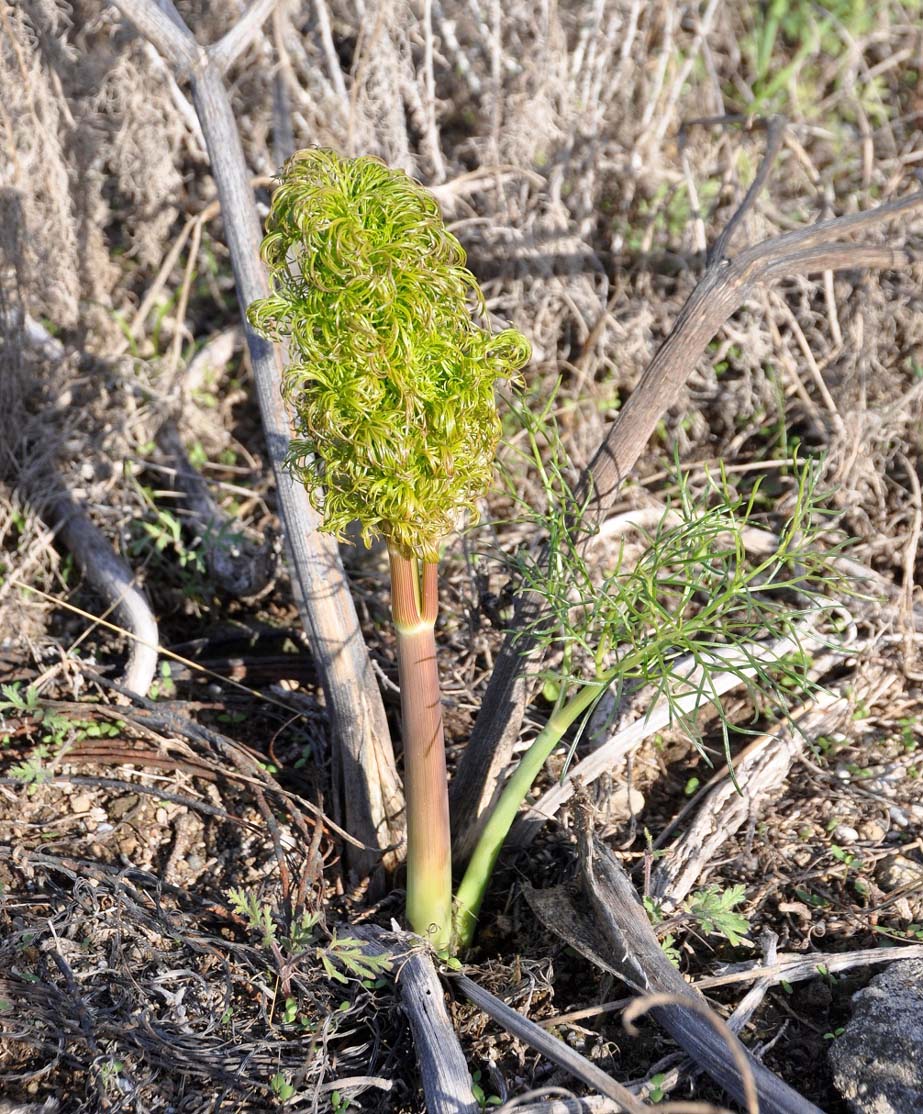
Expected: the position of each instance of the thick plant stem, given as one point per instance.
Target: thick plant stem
(429, 845)
(481, 864)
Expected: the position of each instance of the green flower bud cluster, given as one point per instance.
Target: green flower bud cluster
(392, 388)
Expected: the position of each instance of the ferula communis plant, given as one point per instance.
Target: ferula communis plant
(391, 390)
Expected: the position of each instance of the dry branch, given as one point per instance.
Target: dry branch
(727, 808)
(550, 1046)
(443, 1067)
(693, 697)
(114, 581)
(237, 563)
(725, 286)
(798, 968)
(367, 784)
(592, 1104)
(617, 936)
(42, 488)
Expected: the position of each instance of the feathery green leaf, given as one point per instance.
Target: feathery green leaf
(392, 384)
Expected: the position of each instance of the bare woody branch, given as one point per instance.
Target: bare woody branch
(167, 32)
(114, 580)
(370, 797)
(225, 52)
(610, 927)
(444, 1070)
(725, 286)
(239, 563)
(44, 489)
(550, 1046)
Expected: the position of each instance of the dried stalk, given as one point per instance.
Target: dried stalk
(616, 935)
(726, 807)
(654, 719)
(236, 562)
(443, 1067)
(41, 487)
(115, 582)
(367, 785)
(725, 286)
(549, 1045)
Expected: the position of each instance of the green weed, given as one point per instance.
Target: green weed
(57, 733)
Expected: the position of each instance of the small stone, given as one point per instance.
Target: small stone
(801, 911)
(81, 803)
(898, 816)
(843, 833)
(873, 831)
(623, 802)
(897, 872)
(886, 779)
(877, 1062)
(123, 806)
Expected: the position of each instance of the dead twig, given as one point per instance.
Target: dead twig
(618, 937)
(726, 808)
(367, 785)
(443, 1067)
(115, 582)
(798, 968)
(236, 562)
(548, 1045)
(650, 1002)
(43, 488)
(693, 695)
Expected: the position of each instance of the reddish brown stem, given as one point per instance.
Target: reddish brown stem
(429, 858)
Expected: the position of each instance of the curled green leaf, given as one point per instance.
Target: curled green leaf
(392, 382)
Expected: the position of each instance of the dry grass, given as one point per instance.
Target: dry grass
(551, 135)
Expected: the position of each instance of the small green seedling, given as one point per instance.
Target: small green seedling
(282, 1087)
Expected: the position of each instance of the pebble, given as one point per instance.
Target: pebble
(886, 779)
(623, 802)
(873, 831)
(843, 833)
(81, 803)
(897, 872)
(898, 816)
(123, 806)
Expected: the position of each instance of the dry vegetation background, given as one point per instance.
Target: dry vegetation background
(550, 133)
